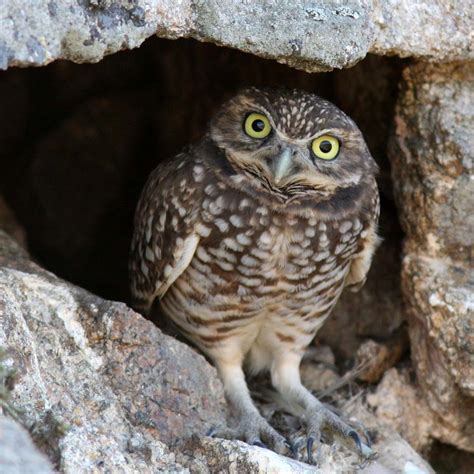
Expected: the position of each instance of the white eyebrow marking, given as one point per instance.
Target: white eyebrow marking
(304, 141)
(299, 141)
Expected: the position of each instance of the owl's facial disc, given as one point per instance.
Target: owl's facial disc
(291, 142)
(283, 165)
(280, 160)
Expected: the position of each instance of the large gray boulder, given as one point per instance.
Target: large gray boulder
(99, 386)
(307, 35)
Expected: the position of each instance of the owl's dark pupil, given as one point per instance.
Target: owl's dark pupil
(258, 125)
(325, 146)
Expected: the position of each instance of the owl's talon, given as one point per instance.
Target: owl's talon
(309, 449)
(363, 440)
(292, 449)
(358, 426)
(211, 432)
(353, 434)
(321, 419)
(253, 430)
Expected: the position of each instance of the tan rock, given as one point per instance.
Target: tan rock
(18, 454)
(394, 453)
(399, 405)
(375, 358)
(432, 155)
(208, 455)
(441, 311)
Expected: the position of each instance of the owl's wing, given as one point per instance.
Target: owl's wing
(362, 260)
(165, 232)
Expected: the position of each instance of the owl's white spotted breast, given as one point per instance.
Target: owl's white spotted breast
(260, 277)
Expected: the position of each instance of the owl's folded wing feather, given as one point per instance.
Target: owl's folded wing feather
(361, 261)
(165, 237)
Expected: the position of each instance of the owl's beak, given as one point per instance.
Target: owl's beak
(282, 165)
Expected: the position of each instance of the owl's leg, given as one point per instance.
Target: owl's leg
(252, 427)
(286, 379)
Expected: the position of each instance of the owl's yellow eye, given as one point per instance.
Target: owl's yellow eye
(257, 126)
(325, 147)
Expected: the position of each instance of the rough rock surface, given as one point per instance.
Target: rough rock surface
(438, 30)
(36, 33)
(399, 404)
(18, 454)
(107, 384)
(432, 156)
(376, 358)
(207, 455)
(394, 455)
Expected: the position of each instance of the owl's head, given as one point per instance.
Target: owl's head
(291, 141)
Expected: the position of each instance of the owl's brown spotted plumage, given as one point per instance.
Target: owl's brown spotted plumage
(249, 237)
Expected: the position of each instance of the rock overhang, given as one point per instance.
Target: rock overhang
(312, 36)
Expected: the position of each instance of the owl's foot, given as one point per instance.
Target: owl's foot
(256, 431)
(322, 421)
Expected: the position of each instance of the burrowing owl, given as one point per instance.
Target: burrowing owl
(249, 237)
